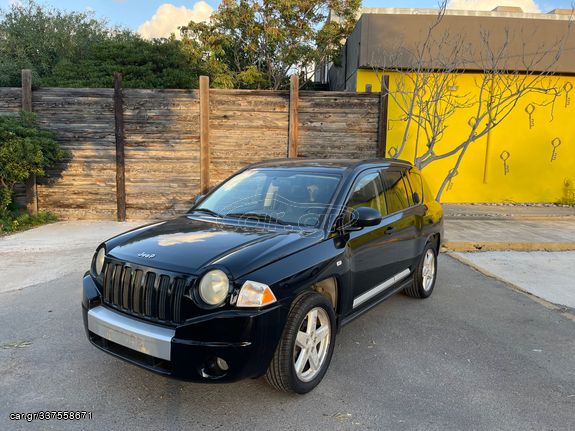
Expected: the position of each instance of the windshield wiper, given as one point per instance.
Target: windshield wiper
(207, 211)
(258, 216)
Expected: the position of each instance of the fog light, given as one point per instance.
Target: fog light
(214, 368)
(222, 364)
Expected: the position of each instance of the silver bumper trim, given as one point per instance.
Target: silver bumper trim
(140, 336)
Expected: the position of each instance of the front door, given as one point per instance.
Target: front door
(371, 250)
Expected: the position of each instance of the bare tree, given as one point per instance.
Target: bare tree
(424, 90)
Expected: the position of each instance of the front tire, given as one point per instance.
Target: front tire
(425, 274)
(304, 352)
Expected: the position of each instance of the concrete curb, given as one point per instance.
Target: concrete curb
(468, 246)
(500, 217)
(563, 310)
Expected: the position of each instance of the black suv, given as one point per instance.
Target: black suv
(262, 272)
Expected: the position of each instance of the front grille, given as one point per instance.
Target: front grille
(144, 292)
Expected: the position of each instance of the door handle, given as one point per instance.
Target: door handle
(390, 230)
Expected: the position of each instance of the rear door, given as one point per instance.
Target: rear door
(403, 219)
(419, 210)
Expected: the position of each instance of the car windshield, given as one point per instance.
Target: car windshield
(273, 195)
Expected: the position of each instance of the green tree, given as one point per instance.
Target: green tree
(72, 49)
(25, 150)
(259, 43)
(35, 37)
(159, 63)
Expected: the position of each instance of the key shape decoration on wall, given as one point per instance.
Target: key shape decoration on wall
(451, 176)
(530, 109)
(505, 156)
(567, 87)
(555, 142)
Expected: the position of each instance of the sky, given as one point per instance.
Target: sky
(157, 18)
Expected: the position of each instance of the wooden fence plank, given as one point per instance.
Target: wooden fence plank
(120, 155)
(204, 133)
(293, 120)
(31, 186)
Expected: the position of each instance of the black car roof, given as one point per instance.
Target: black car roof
(329, 164)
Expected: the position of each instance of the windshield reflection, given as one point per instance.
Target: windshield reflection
(276, 196)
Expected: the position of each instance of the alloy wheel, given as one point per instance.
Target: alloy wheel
(312, 344)
(428, 270)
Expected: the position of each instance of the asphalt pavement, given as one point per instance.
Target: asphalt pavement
(477, 355)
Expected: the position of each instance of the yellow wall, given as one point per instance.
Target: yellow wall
(532, 175)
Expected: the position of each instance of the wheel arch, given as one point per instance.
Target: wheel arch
(329, 287)
(435, 239)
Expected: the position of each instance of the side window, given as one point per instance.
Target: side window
(409, 189)
(416, 183)
(395, 191)
(368, 192)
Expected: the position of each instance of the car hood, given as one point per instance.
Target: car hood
(190, 245)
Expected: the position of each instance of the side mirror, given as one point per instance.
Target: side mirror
(367, 216)
(416, 198)
(363, 217)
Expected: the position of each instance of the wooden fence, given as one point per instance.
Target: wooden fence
(141, 154)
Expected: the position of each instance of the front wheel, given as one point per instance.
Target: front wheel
(425, 274)
(303, 354)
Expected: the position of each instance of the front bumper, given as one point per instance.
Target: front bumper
(244, 339)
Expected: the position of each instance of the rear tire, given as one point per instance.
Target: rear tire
(304, 352)
(425, 274)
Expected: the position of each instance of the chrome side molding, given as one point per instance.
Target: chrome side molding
(380, 287)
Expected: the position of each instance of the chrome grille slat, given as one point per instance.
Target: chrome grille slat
(176, 306)
(137, 291)
(126, 287)
(163, 288)
(144, 292)
(149, 293)
(117, 284)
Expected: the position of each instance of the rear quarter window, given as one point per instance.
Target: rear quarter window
(396, 191)
(416, 182)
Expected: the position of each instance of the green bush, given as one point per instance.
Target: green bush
(25, 150)
(12, 221)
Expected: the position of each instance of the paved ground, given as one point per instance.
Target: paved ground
(503, 211)
(476, 355)
(54, 250)
(484, 227)
(530, 247)
(548, 275)
(510, 231)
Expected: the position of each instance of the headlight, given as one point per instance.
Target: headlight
(214, 287)
(99, 261)
(254, 294)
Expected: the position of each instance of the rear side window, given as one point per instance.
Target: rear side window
(395, 191)
(368, 192)
(416, 183)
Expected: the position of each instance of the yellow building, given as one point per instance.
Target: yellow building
(462, 66)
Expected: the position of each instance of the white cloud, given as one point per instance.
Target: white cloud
(168, 18)
(526, 5)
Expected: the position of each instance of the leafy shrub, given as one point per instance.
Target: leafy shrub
(12, 221)
(25, 150)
